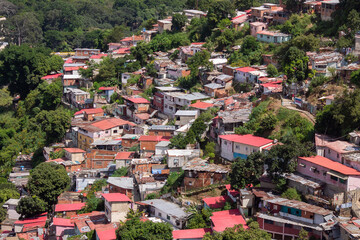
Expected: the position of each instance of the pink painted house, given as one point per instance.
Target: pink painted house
(336, 176)
(62, 227)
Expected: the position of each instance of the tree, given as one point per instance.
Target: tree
(283, 158)
(218, 10)
(200, 59)
(141, 52)
(291, 194)
(178, 142)
(120, 172)
(5, 99)
(238, 232)
(247, 171)
(134, 228)
(303, 234)
(3, 214)
(271, 70)
(209, 150)
(200, 219)
(294, 6)
(30, 206)
(355, 78)
(48, 181)
(8, 190)
(22, 67)
(178, 22)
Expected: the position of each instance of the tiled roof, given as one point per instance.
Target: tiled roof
(154, 138)
(108, 234)
(74, 150)
(137, 100)
(246, 69)
(122, 51)
(124, 155)
(92, 110)
(190, 233)
(63, 222)
(116, 197)
(332, 165)
(247, 139)
(39, 218)
(215, 202)
(227, 219)
(69, 207)
(110, 123)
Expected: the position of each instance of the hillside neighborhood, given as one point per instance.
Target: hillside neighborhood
(252, 130)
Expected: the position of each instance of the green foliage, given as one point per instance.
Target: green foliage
(341, 117)
(200, 219)
(200, 59)
(23, 66)
(209, 150)
(271, 70)
(297, 24)
(303, 234)
(48, 181)
(178, 22)
(291, 194)
(178, 142)
(247, 171)
(249, 54)
(3, 214)
(30, 206)
(92, 202)
(173, 182)
(8, 190)
(238, 232)
(120, 172)
(355, 78)
(316, 82)
(152, 196)
(135, 148)
(57, 154)
(5, 99)
(134, 228)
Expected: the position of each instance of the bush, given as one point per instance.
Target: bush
(291, 194)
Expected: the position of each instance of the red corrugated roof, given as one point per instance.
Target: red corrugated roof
(246, 69)
(33, 226)
(247, 139)
(52, 76)
(92, 110)
(198, 43)
(111, 123)
(122, 51)
(215, 202)
(98, 56)
(154, 138)
(233, 192)
(63, 222)
(39, 218)
(190, 233)
(74, 150)
(138, 100)
(124, 155)
(106, 234)
(73, 68)
(227, 219)
(106, 88)
(331, 165)
(116, 197)
(201, 105)
(69, 207)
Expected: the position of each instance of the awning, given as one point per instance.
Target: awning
(338, 175)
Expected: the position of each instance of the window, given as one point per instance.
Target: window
(176, 162)
(237, 146)
(288, 225)
(159, 214)
(328, 151)
(168, 217)
(115, 131)
(343, 181)
(269, 221)
(337, 155)
(333, 178)
(302, 165)
(289, 211)
(324, 173)
(106, 131)
(98, 163)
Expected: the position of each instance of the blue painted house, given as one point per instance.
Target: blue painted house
(272, 37)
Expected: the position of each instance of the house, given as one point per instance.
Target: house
(174, 71)
(183, 117)
(10, 205)
(256, 27)
(148, 143)
(117, 206)
(289, 216)
(136, 104)
(272, 37)
(96, 159)
(121, 52)
(161, 148)
(179, 157)
(349, 228)
(68, 209)
(234, 145)
(232, 193)
(86, 52)
(161, 130)
(328, 8)
(75, 154)
(123, 159)
(224, 80)
(167, 211)
(131, 41)
(201, 106)
(214, 202)
(89, 114)
(164, 25)
(337, 178)
(242, 74)
(124, 185)
(199, 173)
(257, 13)
(72, 76)
(106, 129)
(271, 87)
(227, 219)
(110, 145)
(98, 58)
(238, 21)
(336, 150)
(321, 62)
(158, 97)
(141, 118)
(87, 222)
(192, 234)
(174, 101)
(227, 121)
(37, 221)
(77, 98)
(192, 13)
(346, 71)
(214, 90)
(107, 92)
(129, 140)
(61, 227)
